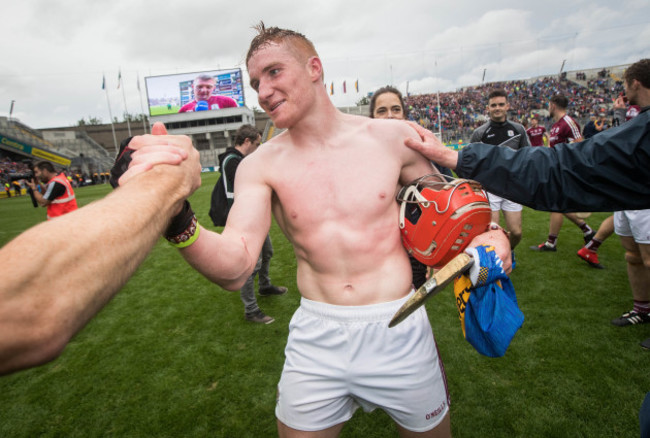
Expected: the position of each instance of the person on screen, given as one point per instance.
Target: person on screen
(203, 87)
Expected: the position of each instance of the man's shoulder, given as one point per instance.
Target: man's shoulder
(230, 155)
(385, 130)
(223, 100)
(518, 126)
(478, 132)
(567, 119)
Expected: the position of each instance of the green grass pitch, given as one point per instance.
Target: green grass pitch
(163, 109)
(172, 356)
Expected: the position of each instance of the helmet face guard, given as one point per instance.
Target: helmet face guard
(440, 215)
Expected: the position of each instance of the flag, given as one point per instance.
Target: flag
(103, 82)
(356, 85)
(344, 91)
(119, 78)
(332, 89)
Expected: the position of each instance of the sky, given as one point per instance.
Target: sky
(54, 53)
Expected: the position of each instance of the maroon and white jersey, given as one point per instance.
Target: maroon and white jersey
(536, 135)
(564, 130)
(214, 102)
(632, 112)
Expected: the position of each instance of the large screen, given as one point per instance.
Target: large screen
(198, 91)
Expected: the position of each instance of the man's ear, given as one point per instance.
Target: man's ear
(315, 67)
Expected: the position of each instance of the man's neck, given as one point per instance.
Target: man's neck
(318, 123)
(643, 99)
(559, 115)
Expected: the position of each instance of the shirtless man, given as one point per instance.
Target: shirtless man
(330, 180)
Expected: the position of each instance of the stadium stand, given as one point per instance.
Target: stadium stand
(21, 146)
(462, 111)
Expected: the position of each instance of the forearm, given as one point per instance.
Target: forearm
(40, 200)
(222, 259)
(73, 265)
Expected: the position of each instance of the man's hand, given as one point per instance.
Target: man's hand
(162, 149)
(150, 151)
(432, 148)
(619, 103)
(499, 240)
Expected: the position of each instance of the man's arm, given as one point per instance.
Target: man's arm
(63, 281)
(228, 258)
(607, 172)
(40, 199)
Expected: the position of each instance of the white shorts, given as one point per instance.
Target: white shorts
(498, 203)
(340, 358)
(633, 223)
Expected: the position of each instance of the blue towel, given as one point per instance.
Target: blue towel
(488, 309)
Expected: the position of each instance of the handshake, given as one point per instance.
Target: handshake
(138, 155)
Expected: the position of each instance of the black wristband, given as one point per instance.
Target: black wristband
(180, 222)
(121, 162)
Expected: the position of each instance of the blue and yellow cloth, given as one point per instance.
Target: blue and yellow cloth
(487, 305)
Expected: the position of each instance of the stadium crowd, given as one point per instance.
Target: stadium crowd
(462, 111)
(9, 167)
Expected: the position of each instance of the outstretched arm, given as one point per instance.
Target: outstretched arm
(227, 258)
(607, 172)
(77, 262)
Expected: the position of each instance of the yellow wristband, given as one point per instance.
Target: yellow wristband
(187, 237)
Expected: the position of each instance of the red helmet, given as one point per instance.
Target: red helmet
(440, 215)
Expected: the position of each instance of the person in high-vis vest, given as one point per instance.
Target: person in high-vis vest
(58, 196)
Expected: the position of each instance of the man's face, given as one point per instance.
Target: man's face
(256, 143)
(282, 82)
(203, 89)
(534, 123)
(551, 109)
(497, 109)
(248, 147)
(41, 175)
(630, 91)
